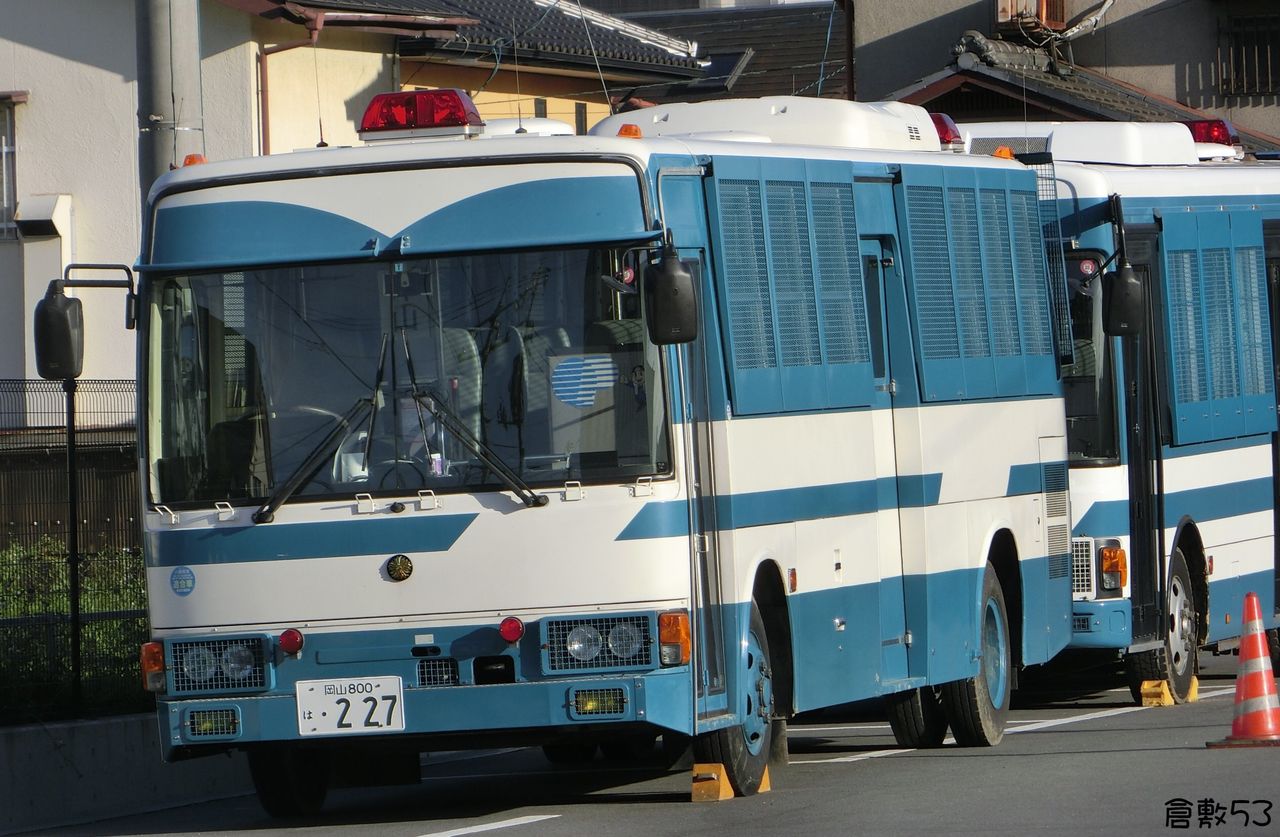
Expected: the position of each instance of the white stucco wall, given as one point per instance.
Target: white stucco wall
(77, 135)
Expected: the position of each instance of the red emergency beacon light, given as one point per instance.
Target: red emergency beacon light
(1215, 131)
(948, 132)
(421, 113)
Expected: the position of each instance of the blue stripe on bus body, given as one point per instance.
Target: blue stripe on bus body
(1212, 502)
(670, 518)
(284, 541)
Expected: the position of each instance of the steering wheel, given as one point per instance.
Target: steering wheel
(397, 473)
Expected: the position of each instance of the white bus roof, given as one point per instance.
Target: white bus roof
(796, 120)
(1115, 143)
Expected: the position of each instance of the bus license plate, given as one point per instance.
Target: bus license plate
(350, 706)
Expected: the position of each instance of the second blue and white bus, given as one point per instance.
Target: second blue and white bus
(1171, 430)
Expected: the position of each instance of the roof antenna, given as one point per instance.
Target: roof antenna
(591, 42)
(515, 54)
(319, 116)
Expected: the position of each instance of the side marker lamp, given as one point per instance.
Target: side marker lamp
(511, 629)
(1004, 152)
(630, 131)
(675, 643)
(151, 658)
(1115, 567)
(291, 641)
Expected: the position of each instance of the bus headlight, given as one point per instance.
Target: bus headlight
(624, 640)
(583, 643)
(238, 662)
(199, 664)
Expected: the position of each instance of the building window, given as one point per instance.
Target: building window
(8, 190)
(1249, 56)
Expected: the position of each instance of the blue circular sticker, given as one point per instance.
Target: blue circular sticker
(182, 580)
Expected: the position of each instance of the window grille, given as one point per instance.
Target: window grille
(1249, 56)
(8, 189)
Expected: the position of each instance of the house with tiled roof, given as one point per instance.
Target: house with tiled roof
(1144, 60)
(545, 58)
(996, 80)
(794, 49)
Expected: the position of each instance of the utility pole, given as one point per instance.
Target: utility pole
(170, 108)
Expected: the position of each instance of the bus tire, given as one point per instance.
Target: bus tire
(1175, 660)
(1273, 643)
(744, 749)
(978, 707)
(917, 717)
(290, 782)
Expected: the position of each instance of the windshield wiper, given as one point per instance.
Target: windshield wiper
(303, 473)
(455, 425)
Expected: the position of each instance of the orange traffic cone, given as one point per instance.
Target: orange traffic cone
(1257, 711)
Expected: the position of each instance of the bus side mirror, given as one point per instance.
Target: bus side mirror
(59, 335)
(1123, 302)
(672, 301)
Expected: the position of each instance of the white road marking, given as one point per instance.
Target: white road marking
(1023, 727)
(491, 826)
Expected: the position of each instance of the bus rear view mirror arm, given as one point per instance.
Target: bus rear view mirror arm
(59, 321)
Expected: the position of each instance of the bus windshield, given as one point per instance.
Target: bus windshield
(401, 376)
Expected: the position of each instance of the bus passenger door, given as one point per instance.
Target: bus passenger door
(1146, 562)
(877, 264)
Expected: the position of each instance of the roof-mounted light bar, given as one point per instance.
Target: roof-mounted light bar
(949, 136)
(1215, 139)
(1216, 131)
(418, 114)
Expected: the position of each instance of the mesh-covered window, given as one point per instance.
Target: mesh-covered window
(788, 229)
(1220, 317)
(979, 284)
(794, 299)
(931, 251)
(1255, 340)
(1217, 326)
(971, 303)
(747, 275)
(844, 311)
(1033, 280)
(998, 259)
(1182, 283)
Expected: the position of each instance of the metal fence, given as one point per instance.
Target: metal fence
(40, 677)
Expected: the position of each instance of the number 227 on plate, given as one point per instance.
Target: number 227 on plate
(350, 706)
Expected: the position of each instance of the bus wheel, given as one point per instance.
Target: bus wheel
(744, 749)
(1176, 660)
(977, 707)
(917, 717)
(1273, 642)
(290, 782)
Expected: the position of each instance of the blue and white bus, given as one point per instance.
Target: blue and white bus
(726, 412)
(1171, 431)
